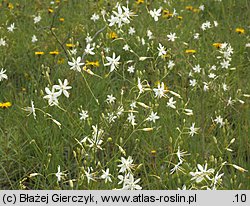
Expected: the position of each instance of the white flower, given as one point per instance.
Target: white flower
(224, 87)
(126, 164)
(111, 117)
(180, 154)
(34, 39)
(51, 96)
(149, 34)
(2, 42)
(155, 13)
(83, 115)
(131, 69)
(177, 168)
(110, 99)
(160, 91)
(206, 25)
(131, 119)
(162, 50)
(230, 102)
(211, 75)
(97, 136)
(88, 39)
(171, 103)
(130, 184)
(106, 176)
(59, 174)
(202, 7)
(197, 68)
(11, 27)
(171, 36)
(219, 120)
(131, 30)
(133, 105)
(213, 68)
(31, 110)
(193, 130)
(112, 62)
(203, 173)
(152, 117)
(63, 87)
(192, 82)
(120, 110)
(225, 64)
(205, 86)
(216, 23)
(89, 175)
(37, 19)
(217, 179)
(3, 75)
(196, 36)
(75, 64)
(89, 50)
(125, 47)
(95, 17)
(171, 64)
(122, 16)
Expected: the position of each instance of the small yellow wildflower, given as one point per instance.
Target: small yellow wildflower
(190, 51)
(70, 46)
(190, 8)
(180, 17)
(170, 15)
(60, 61)
(196, 10)
(39, 53)
(166, 14)
(61, 19)
(112, 35)
(10, 6)
(139, 2)
(54, 53)
(240, 30)
(5, 105)
(50, 10)
(217, 45)
(94, 64)
(153, 152)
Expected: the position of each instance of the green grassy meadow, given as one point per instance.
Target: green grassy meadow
(152, 95)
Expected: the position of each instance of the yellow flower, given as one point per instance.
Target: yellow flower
(112, 35)
(60, 61)
(139, 1)
(70, 46)
(54, 53)
(240, 30)
(50, 10)
(190, 8)
(166, 14)
(190, 51)
(217, 45)
(94, 64)
(196, 10)
(5, 105)
(61, 19)
(10, 6)
(180, 17)
(39, 53)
